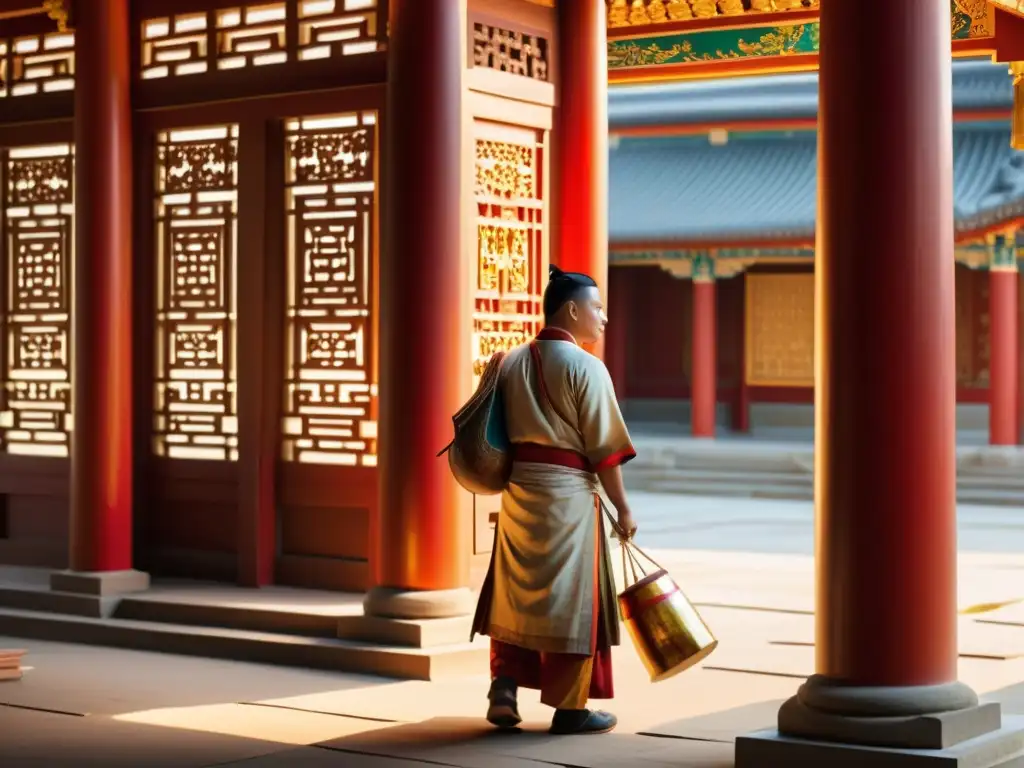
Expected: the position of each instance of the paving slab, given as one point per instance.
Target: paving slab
(315, 757)
(976, 640)
(34, 739)
(283, 726)
(469, 743)
(722, 727)
(104, 681)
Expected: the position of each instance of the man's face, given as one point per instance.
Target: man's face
(589, 319)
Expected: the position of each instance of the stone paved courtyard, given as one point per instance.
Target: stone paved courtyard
(746, 563)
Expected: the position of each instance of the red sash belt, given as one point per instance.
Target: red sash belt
(546, 454)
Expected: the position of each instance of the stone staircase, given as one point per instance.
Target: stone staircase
(777, 470)
(275, 625)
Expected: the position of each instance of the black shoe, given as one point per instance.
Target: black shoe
(582, 721)
(504, 709)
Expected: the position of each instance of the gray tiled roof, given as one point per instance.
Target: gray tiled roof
(977, 85)
(764, 186)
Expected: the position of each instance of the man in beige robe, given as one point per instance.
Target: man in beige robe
(548, 603)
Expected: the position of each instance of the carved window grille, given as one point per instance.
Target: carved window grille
(332, 28)
(509, 51)
(258, 35)
(37, 64)
(38, 221)
(330, 410)
(196, 209)
(511, 218)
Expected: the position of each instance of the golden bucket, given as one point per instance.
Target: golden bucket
(669, 634)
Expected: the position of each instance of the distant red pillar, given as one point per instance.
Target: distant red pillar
(101, 441)
(741, 403)
(886, 390)
(419, 535)
(580, 167)
(1004, 354)
(617, 345)
(704, 366)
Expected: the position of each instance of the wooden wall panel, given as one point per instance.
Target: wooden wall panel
(658, 335)
(292, 503)
(972, 332)
(730, 309)
(780, 330)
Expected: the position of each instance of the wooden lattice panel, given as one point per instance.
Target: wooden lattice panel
(511, 207)
(333, 28)
(196, 254)
(258, 35)
(510, 51)
(780, 330)
(37, 64)
(331, 381)
(39, 240)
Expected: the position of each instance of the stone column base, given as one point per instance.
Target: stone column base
(841, 726)
(1003, 748)
(393, 603)
(99, 583)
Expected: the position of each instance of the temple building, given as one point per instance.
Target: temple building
(715, 184)
(254, 255)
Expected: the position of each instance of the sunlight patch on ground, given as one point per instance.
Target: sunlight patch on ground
(283, 726)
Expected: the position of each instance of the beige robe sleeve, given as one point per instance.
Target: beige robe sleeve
(606, 440)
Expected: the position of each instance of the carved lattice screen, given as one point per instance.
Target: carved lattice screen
(38, 246)
(196, 253)
(511, 208)
(258, 35)
(36, 64)
(331, 379)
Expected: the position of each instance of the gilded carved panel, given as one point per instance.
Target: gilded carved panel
(780, 330)
(511, 214)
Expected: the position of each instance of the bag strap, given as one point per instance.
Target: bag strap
(629, 549)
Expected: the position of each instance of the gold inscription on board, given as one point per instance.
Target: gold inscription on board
(780, 330)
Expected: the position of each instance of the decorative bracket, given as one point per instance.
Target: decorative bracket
(1002, 250)
(703, 270)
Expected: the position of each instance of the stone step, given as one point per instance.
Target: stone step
(727, 474)
(243, 617)
(972, 479)
(990, 497)
(344, 623)
(247, 645)
(719, 488)
(803, 491)
(767, 464)
(49, 601)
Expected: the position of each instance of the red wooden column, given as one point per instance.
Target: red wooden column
(1004, 352)
(580, 163)
(886, 550)
(419, 539)
(704, 365)
(101, 440)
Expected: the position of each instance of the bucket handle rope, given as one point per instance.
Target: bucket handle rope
(631, 553)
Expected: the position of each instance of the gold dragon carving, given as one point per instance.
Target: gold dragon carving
(973, 13)
(635, 13)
